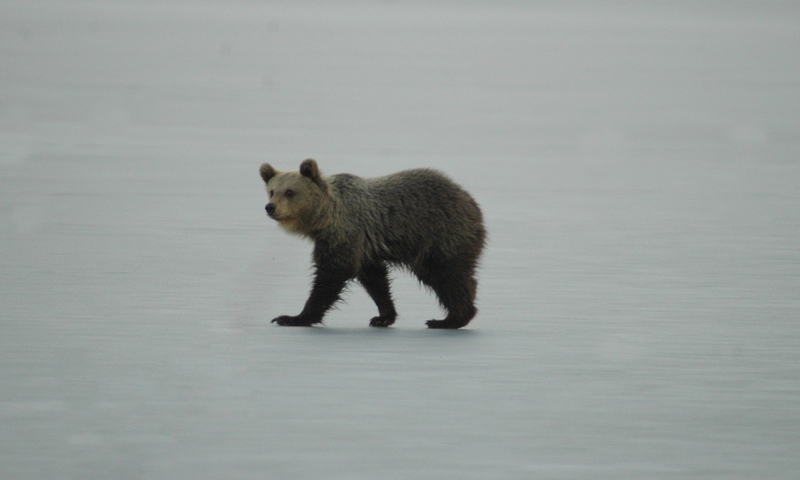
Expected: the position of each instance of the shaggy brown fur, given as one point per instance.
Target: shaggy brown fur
(417, 219)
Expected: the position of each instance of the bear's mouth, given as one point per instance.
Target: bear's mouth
(278, 218)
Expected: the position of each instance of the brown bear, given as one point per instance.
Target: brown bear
(417, 219)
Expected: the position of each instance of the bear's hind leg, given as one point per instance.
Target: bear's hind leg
(375, 279)
(456, 288)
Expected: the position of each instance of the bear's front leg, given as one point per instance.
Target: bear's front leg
(325, 292)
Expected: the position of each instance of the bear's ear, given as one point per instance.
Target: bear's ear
(309, 168)
(267, 171)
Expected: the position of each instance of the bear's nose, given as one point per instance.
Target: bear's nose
(270, 208)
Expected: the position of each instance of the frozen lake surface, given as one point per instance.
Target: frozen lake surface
(638, 167)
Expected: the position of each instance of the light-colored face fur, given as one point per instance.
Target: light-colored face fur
(297, 200)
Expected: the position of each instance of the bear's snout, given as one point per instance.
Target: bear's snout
(270, 208)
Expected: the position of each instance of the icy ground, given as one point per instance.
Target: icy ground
(638, 166)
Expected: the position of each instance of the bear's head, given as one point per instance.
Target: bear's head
(298, 201)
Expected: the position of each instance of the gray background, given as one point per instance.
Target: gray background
(637, 163)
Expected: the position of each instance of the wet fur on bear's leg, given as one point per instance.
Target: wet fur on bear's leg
(325, 292)
(375, 279)
(455, 287)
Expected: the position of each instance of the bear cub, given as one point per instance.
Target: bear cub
(418, 219)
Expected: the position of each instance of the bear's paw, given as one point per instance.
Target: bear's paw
(289, 321)
(381, 321)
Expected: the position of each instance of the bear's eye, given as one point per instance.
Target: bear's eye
(271, 193)
(289, 193)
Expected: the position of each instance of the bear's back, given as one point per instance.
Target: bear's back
(410, 213)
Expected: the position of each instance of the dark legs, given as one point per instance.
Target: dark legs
(324, 293)
(375, 280)
(456, 288)
(452, 281)
(327, 288)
